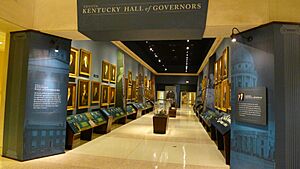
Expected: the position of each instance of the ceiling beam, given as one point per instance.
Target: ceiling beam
(212, 50)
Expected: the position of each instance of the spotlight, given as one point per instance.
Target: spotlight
(187, 48)
(234, 35)
(187, 82)
(188, 41)
(159, 60)
(166, 69)
(56, 50)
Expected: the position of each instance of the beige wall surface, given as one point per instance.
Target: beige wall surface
(19, 12)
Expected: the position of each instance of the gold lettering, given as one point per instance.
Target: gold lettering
(194, 6)
(176, 7)
(84, 11)
(199, 5)
(155, 7)
(171, 7)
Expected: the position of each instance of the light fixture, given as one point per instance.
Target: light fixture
(1, 43)
(163, 65)
(187, 82)
(188, 41)
(156, 55)
(166, 69)
(56, 50)
(234, 35)
(151, 49)
(159, 60)
(187, 48)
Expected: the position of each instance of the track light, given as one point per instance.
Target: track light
(234, 35)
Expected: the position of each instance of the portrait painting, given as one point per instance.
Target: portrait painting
(104, 95)
(112, 95)
(71, 96)
(225, 63)
(85, 62)
(129, 77)
(83, 94)
(105, 71)
(129, 93)
(73, 64)
(95, 92)
(113, 73)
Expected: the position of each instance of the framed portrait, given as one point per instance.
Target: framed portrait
(95, 92)
(71, 96)
(137, 81)
(129, 77)
(219, 70)
(112, 95)
(216, 72)
(225, 63)
(73, 64)
(85, 62)
(216, 97)
(133, 90)
(113, 73)
(129, 93)
(83, 94)
(104, 95)
(105, 71)
(145, 81)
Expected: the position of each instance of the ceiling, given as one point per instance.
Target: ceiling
(180, 56)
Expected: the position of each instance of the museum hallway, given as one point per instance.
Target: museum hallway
(134, 146)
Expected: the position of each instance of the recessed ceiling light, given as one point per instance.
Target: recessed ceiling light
(56, 50)
(187, 82)
(187, 54)
(187, 48)
(163, 65)
(159, 60)
(151, 49)
(166, 69)
(188, 41)
(173, 50)
(186, 67)
(146, 41)
(156, 56)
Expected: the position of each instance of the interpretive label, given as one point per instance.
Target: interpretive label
(45, 97)
(252, 106)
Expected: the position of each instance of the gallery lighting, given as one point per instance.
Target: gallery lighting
(163, 65)
(166, 69)
(56, 50)
(151, 49)
(234, 35)
(187, 48)
(156, 55)
(188, 41)
(159, 60)
(187, 82)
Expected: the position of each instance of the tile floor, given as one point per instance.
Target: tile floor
(134, 146)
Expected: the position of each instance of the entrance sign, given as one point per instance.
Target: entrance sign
(142, 19)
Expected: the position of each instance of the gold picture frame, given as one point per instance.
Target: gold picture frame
(129, 93)
(85, 62)
(104, 95)
(129, 78)
(112, 96)
(71, 98)
(105, 71)
(83, 94)
(113, 73)
(225, 63)
(73, 63)
(216, 73)
(95, 93)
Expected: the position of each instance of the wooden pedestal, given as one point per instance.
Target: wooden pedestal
(160, 124)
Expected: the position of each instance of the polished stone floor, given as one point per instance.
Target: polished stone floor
(134, 146)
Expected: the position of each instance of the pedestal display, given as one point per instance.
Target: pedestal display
(36, 103)
(161, 117)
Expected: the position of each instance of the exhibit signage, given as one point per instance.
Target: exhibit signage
(142, 19)
(252, 106)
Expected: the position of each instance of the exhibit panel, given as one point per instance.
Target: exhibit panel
(36, 102)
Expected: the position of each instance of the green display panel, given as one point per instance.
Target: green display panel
(73, 124)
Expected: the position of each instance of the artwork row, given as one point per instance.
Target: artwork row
(221, 67)
(222, 96)
(109, 71)
(89, 93)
